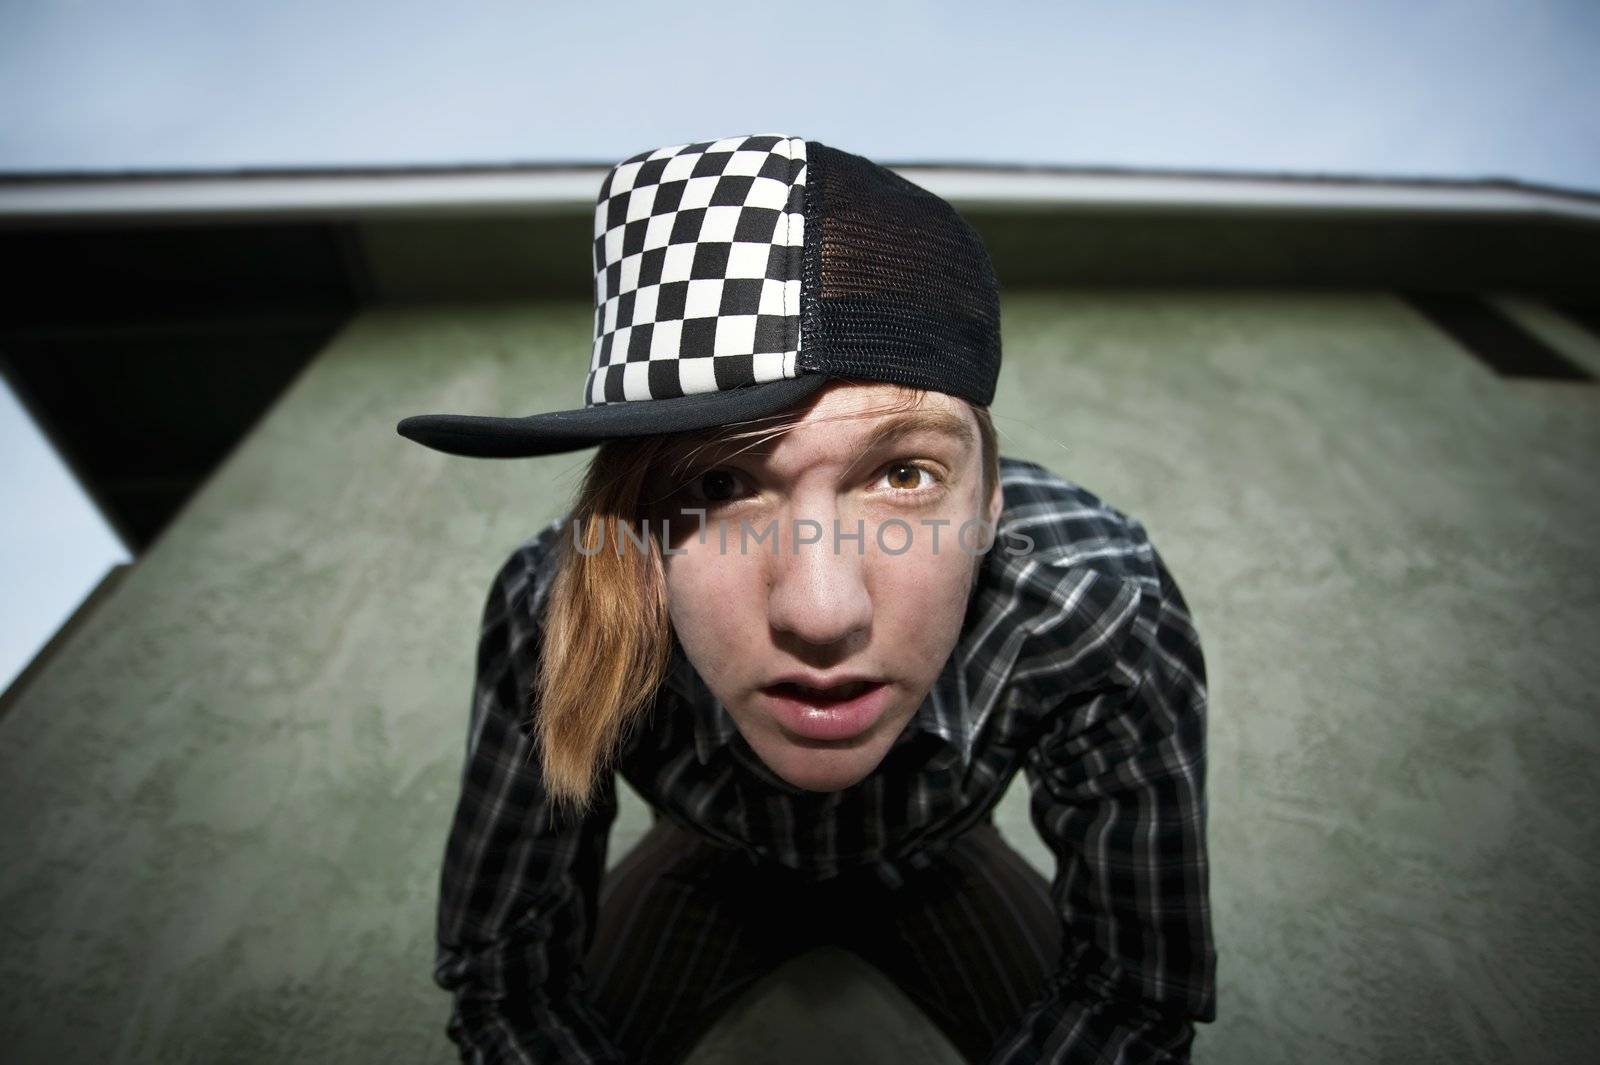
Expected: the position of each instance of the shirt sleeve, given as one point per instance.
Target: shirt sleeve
(1117, 791)
(518, 888)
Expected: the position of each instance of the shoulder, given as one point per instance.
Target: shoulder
(511, 623)
(1081, 578)
(1060, 523)
(521, 584)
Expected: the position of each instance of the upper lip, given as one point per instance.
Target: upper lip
(822, 682)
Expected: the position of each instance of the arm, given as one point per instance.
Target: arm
(1118, 794)
(518, 885)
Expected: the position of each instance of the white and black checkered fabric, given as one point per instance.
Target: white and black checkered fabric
(697, 258)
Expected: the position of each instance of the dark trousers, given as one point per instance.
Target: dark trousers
(685, 926)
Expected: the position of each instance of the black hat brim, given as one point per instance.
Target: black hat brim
(485, 436)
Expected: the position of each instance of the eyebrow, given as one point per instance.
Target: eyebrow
(944, 422)
(889, 428)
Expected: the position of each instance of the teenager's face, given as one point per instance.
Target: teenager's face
(886, 608)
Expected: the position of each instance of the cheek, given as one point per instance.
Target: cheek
(921, 596)
(710, 603)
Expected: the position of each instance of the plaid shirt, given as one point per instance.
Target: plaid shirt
(1078, 664)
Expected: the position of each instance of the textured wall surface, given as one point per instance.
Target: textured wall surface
(223, 806)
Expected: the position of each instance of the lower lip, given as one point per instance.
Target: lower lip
(828, 721)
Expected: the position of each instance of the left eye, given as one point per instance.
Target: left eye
(906, 477)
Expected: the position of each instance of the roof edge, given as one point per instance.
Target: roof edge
(518, 188)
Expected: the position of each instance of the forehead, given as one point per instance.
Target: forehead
(850, 416)
(846, 423)
(850, 419)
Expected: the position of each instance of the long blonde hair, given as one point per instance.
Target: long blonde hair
(607, 634)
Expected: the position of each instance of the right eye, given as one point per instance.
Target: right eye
(713, 487)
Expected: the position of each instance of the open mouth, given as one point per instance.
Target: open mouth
(824, 696)
(844, 712)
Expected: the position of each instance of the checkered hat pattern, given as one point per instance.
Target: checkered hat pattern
(698, 252)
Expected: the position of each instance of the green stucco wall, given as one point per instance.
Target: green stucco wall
(223, 805)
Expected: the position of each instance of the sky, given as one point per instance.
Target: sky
(1468, 88)
(1422, 88)
(54, 548)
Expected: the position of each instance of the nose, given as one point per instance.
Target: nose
(818, 594)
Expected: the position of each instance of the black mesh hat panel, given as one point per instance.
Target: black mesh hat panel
(897, 285)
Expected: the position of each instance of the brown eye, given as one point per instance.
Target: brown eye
(905, 476)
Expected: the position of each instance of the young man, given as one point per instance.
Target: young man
(804, 607)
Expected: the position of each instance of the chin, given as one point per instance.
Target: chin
(818, 769)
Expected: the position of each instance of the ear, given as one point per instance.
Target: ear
(996, 505)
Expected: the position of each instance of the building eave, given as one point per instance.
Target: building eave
(532, 190)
